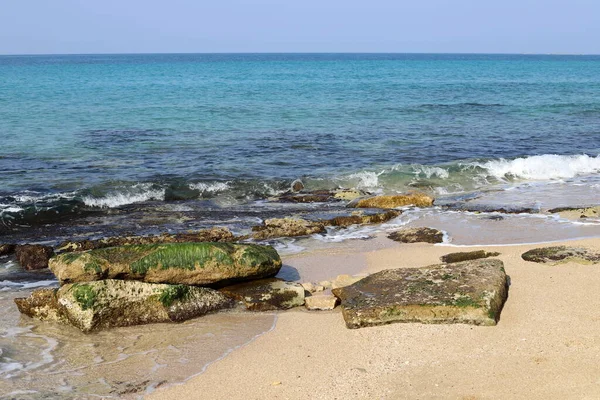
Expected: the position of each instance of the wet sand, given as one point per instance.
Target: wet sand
(546, 344)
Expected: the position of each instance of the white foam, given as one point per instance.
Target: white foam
(366, 179)
(136, 194)
(543, 167)
(210, 187)
(430, 172)
(28, 285)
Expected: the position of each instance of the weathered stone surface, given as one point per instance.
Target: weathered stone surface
(176, 263)
(6, 249)
(312, 288)
(577, 213)
(267, 294)
(215, 234)
(344, 280)
(315, 196)
(111, 303)
(467, 255)
(349, 194)
(470, 292)
(416, 235)
(281, 227)
(33, 256)
(321, 302)
(394, 201)
(345, 221)
(559, 254)
(297, 185)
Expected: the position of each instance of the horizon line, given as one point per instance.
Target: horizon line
(291, 52)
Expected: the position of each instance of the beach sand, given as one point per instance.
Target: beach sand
(545, 346)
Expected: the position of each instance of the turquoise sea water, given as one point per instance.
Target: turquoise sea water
(94, 126)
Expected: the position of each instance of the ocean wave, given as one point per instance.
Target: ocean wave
(214, 187)
(543, 167)
(135, 194)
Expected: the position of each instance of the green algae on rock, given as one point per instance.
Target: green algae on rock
(111, 303)
(174, 263)
(561, 254)
(416, 235)
(467, 255)
(471, 292)
(267, 294)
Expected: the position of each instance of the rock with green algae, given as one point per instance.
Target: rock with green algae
(267, 294)
(286, 227)
(467, 255)
(202, 264)
(471, 292)
(111, 303)
(561, 254)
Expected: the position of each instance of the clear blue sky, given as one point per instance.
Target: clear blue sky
(172, 26)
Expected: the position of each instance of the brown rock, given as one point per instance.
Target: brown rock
(561, 254)
(267, 294)
(33, 256)
(415, 235)
(321, 302)
(466, 256)
(282, 227)
(297, 185)
(345, 221)
(6, 249)
(470, 292)
(394, 201)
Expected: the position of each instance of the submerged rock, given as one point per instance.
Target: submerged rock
(416, 235)
(394, 201)
(558, 254)
(267, 294)
(111, 303)
(467, 255)
(286, 227)
(176, 263)
(471, 292)
(33, 256)
(321, 302)
(297, 185)
(6, 249)
(577, 213)
(215, 234)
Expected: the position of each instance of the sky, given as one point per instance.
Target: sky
(223, 26)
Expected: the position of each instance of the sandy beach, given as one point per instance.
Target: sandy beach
(546, 344)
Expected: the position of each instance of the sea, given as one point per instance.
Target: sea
(103, 145)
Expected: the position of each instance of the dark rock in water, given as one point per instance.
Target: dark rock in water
(111, 303)
(490, 208)
(394, 201)
(286, 227)
(297, 185)
(175, 263)
(467, 255)
(6, 249)
(215, 234)
(415, 235)
(33, 256)
(267, 294)
(494, 217)
(183, 192)
(471, 292)
(558, 254)
(345, 221)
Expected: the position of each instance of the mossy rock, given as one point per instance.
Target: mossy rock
(561, 254)
(467, 255)
(174, 263)
(111, 303)
(267, 294)
(471, 292)
(417, 235)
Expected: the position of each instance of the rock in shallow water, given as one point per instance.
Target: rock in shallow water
(470, 292)
(286, 227)
(416, 235)
(267, 294)
(111, 303)
(394, 201)
(6, 249)
(558, 254)
(33, 256)
(176, 263)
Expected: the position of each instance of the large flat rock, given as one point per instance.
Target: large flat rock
(267, 294)
(175, 263)
(111, 303)
(471, 292)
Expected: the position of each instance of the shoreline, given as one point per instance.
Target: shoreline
(313, 354)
